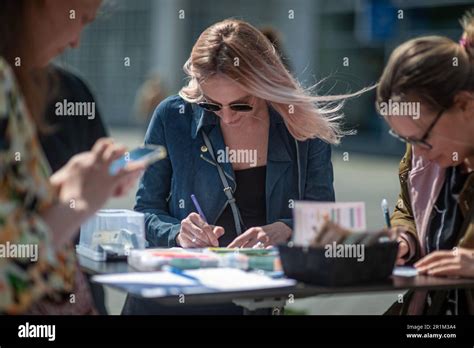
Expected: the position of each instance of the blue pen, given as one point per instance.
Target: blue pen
(198, 207)
(386, 213)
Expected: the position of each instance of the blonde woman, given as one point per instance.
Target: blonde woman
(245, 138)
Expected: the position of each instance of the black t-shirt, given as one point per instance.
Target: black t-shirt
(444, 230)
(72, 134)
(446, 218)
(250, 199)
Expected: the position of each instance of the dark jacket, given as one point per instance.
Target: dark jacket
(404, 216)
(166, 186)
(71, 134)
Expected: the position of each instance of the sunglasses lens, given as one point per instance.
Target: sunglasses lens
(210, 107)
(241, 107)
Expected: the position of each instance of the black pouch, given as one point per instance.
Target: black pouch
(314, 266)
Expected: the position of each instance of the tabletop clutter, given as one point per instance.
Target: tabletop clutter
(329, 247)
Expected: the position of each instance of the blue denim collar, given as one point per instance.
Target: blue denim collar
(201, 118)
(279, 139)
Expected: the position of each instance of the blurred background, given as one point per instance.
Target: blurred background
(346, 42)
(132, 56)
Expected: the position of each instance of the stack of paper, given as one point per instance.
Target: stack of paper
(200, 280)
(231, 279)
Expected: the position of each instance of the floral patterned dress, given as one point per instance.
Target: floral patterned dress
(48, 284)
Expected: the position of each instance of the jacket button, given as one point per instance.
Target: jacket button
(203, 148)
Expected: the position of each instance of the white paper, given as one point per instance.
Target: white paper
(309, 218)
(146, 278)
(231, 279)
(405, 271)
(221, 279)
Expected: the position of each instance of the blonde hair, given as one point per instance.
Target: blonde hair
(425, 67)
(241, 52)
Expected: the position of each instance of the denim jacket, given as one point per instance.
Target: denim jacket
(303, 173)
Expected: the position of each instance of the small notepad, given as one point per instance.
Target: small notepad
(405, 271)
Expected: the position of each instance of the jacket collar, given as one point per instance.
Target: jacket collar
(277, 147)
(200, 119)
(279, 144)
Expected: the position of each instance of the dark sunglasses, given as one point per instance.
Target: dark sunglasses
(422, 141)
(217, 107)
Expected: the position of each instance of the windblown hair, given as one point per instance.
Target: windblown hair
(242, 53)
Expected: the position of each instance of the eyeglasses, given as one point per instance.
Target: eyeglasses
(240, 107)
(422, 141)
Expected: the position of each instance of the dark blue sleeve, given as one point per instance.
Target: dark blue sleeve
(155, 187)
(319, 175)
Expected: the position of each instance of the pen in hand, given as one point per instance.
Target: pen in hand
(211, 235)
(386, 213)
(198, 208)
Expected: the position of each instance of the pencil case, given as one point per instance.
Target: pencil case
(333, 265)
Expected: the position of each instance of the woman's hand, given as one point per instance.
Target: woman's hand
(268, 235)
(458, 262)
(403, 246)
(85, 184)
(196, 233)
(403, 250)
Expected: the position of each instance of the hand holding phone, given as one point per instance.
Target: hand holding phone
(147, 154)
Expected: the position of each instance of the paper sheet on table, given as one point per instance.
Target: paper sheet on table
(231, 279)
(309, 218)
(145, 278)
(404, 271)
(222, 279)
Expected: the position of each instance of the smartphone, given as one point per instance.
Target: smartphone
(147, 153)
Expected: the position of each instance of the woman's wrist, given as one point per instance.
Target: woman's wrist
(283, 232)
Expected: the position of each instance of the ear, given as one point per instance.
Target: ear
(464, 101)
